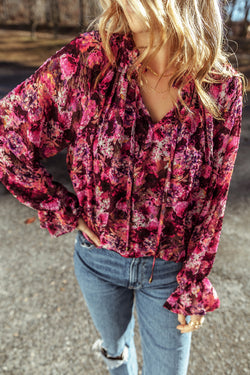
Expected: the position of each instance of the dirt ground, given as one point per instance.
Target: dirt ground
(45, 328)
(17, 47)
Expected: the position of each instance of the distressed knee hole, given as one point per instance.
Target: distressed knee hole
(105, 353)
(111, 362)
(114, 362)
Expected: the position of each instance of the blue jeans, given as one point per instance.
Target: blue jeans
(112, 285)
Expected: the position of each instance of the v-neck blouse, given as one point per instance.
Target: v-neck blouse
(146, 189)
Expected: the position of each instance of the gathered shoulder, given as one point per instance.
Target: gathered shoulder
(82, 46)
(86, 42)
(81, 57)
(227, 89)
(91, 42)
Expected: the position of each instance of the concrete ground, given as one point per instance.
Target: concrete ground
(45, 328)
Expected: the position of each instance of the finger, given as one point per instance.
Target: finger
(181, 319)
(92, 236)
(82, 226)
(187, 328)
(95, 239)
(202, 318)
(195, 319)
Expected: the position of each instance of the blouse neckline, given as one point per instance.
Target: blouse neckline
(129, 55)
(169, 114)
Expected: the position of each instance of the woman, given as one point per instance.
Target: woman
(150, 111)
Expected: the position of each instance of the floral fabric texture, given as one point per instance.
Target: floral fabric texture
(145, 188)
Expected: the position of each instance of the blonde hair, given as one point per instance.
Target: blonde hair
(193, 30)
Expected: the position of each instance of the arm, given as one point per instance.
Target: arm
(195, 294)
(36, 123)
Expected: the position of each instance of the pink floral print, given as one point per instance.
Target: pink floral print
(146, 189)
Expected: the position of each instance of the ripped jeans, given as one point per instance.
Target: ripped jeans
(112, 286)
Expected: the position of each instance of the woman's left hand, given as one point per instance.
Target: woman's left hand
(195, 323)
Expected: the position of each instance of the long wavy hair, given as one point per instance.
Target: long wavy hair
(193, 30)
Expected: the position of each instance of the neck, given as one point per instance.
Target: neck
(159, 62)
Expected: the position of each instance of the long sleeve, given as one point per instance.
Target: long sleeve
(195, 293)
(36, 123)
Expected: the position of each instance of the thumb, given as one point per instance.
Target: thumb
(182, 319)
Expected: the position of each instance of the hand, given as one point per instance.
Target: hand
(82, 226)
(195, 323)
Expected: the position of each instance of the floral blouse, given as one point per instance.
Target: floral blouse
(145, 188)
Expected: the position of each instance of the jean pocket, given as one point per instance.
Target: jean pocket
(84, 242)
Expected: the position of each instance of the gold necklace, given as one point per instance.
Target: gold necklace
(158, 92)
(152, 88)
(151, 70)
(154, 73)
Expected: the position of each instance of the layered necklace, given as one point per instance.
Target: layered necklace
(156, 75)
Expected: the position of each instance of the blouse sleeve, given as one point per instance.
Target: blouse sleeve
(195, 293)
(36, 123)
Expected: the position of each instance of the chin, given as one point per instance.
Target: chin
(137, 28)
(138, 31)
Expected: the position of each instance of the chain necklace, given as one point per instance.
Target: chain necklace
(148, 67)
(142, 84)
(153, 89)
(154, 73)
(146, 84)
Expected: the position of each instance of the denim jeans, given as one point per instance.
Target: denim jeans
(112, 286)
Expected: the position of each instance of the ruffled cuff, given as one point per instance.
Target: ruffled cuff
(61, 221)
(193, 298)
